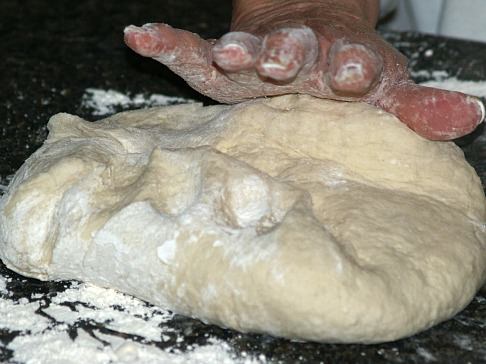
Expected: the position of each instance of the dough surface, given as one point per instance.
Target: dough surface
(302, 218)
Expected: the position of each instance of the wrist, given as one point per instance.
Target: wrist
(253, 12)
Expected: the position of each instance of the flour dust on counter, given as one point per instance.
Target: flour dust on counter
(3, 285)
(102, 102)
(475, 88)
(88, 324)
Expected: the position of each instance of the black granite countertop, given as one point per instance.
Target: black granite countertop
(53, 51)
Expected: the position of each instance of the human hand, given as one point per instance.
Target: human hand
(315, 48)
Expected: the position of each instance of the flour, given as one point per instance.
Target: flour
(19, 316)
(86, 349)
(104, 102)
(441, 79)
(436, 75)
(105, 311)
(464, 342)
(3, 285)
(426, 355)
(453, 84)
(4, 181)
(167, 250)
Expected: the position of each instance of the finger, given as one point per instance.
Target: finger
(187, 55)
(353, 69)
(236, 51)
(166, 44)
(434, 114)
(286, 51)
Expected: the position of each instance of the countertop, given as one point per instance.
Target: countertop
(54, 51)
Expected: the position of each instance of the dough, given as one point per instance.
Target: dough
(292, 216)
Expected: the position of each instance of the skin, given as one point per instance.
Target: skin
(324, 48)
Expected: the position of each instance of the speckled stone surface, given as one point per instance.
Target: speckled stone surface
(53, 51)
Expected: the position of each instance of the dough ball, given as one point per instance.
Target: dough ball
(297, 217)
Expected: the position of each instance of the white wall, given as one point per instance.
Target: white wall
(454, 18)
(464, 19)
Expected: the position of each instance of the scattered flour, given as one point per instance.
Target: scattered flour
(167, 251)
(426, 355)
(20, 316)
(436, 75)
(85, 349)
(4, 182)
(105, 311)
(463, 342)
(441, 79)
(104, 102)
(3, 285)
(453, 84)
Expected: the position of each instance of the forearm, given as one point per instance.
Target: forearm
(366, 11)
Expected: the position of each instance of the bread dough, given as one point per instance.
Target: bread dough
(297, 217)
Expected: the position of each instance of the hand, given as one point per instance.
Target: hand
(310, 47)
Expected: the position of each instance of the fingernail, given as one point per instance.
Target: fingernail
(483, 111)
(131, 29)
(221, 47)
(352, 71)
(246, 41)
(149, 25)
